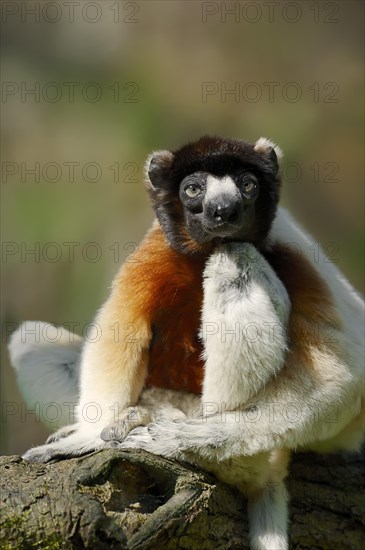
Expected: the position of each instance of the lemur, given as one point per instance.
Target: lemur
(223, 332)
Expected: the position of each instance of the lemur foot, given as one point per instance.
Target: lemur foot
(141, 415)
(128, 419)
(140, 438)
(76, 444)
(187, 441)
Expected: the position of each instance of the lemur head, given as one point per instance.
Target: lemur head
(214, 190)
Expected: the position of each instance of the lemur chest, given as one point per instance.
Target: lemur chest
(175, 353)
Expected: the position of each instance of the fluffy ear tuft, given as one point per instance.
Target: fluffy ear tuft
(157, 165)
(270, 153)
(264, 146)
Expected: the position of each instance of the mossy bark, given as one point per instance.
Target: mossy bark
(134, 500)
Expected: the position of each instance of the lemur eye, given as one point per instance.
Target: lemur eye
(249, 185)
(192, 191)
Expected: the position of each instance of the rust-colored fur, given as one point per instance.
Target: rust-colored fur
(164, 281)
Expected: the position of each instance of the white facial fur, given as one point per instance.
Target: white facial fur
(218, 187)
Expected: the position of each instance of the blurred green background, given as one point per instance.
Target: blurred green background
(113, 81)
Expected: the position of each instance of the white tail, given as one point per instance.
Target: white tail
(47, 360)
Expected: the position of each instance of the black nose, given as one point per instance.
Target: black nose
(226, 212)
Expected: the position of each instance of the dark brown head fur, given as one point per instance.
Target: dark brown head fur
(185, 225)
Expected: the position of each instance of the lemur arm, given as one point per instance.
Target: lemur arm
(113, 368)
(312, 398)
(244, 325)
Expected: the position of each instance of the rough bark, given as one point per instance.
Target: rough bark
(137, 501)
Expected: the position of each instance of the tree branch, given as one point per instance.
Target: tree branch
(137, 501)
